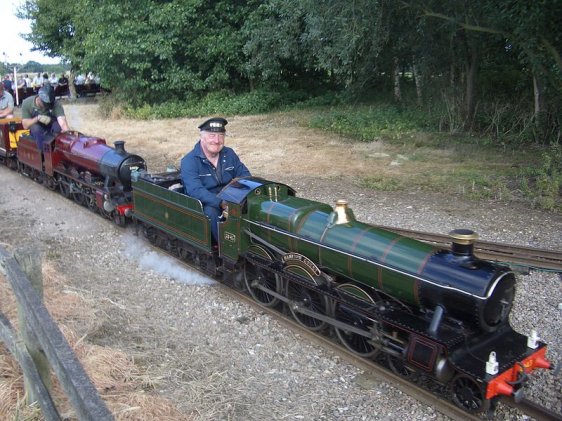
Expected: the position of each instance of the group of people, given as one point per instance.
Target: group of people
(42, 114)
(28, 86)
(88, 79)
(40, 79)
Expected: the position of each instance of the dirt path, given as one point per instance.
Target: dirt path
(267, 144)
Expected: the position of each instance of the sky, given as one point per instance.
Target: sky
(12, 43)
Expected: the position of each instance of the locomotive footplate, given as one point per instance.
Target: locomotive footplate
(446, 335)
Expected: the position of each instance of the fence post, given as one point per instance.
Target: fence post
(30, 262)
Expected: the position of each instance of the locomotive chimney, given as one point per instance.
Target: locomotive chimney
(119, 145)
(463, 242)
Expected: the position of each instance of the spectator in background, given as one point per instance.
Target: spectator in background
(63, 85)
(21, 83)
(80, 79)
(6, 103)
(53, 80)
(45, 79)
(37, 82)
(7, 82)
(28, 81)
(63, 80)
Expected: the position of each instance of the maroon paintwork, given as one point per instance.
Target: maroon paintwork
(28, 153)
(83, 151)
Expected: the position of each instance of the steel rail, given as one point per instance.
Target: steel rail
(532, 409)
(529, 257)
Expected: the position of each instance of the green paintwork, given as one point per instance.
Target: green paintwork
(231, 239)
(173, 213)
(355, 250)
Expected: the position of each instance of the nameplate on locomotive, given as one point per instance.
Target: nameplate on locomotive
(302, 261)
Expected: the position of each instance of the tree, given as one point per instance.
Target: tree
(148, 50)
(346, 38)
(276, 53)
(32, 67)
(530, 29)
(58, 29)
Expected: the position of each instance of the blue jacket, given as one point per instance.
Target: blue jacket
(202, 181)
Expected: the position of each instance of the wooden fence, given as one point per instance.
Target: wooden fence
(41, 346)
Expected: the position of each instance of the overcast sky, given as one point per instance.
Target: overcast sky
(12, 43)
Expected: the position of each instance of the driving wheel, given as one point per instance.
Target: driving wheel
(303, 297)
(355, 342)
(254, 277)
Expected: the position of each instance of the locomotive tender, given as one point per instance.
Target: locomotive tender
(432, 314)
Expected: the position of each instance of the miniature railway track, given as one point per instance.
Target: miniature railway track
(533, 410)
(506, 253)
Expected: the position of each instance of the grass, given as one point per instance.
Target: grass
(127, 390)
(421, 157)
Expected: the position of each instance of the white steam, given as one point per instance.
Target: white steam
(147, 258)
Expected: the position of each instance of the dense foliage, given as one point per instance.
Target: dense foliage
(32, 67)
(483, 65)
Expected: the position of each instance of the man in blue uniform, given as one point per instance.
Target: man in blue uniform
(209, 167)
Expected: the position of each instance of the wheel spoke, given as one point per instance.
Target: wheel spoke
(469, 395)
(254, 277)
(356, 343)
(311, 300)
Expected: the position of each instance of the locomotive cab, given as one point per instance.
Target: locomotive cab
(232, 239)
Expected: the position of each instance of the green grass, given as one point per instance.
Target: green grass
(471, 166)
(382, 183)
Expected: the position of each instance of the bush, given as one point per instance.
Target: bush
(543, 184)
(225, 103)
(368, 123)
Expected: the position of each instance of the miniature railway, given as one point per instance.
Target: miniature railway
(371, 368)
(527, 257)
